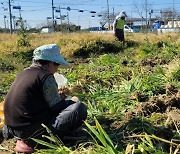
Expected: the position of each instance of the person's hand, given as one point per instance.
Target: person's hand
(75, 99)
(64, 92)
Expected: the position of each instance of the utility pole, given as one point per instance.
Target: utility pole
(146, 15)
(10, 16)
(4, 21)
(60, 17)
(142, 22)
(113, 14)
(60, 14)
(68, 21)
(161, 15)
(7, 24)
(14, 22)
(108, 14)
(150, 14)
(146, 21)
(173, 16)
(20, 17)
(131, 19)
(53, 14)
(20, 14)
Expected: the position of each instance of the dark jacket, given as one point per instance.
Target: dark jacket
(25, 104)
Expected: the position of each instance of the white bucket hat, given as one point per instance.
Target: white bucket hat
(50, 52)
(122, 14)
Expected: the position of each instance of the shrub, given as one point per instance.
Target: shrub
(23, 37)
(148, 48)
(23, 57)
(98, 47)
(6, 65)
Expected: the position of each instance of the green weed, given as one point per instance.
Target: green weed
(110, 80)
(55, 143)
(102, 137)
(97, 47)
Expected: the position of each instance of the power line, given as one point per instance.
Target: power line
(67, 3)
(44, 9)
(31, 6)
(47, 6)
(33, 2)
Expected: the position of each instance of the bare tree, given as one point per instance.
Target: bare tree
(141, 8)
(104, 18)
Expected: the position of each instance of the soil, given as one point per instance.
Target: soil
(159, 104)
(154, 61)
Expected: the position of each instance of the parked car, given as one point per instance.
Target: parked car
(128, 29)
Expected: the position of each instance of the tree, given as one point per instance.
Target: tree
(67, 27)
(104, 18)
(141, 8)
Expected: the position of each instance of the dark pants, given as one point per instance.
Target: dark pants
(68, 120)
(119, 33)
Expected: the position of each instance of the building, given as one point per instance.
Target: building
(47, 30)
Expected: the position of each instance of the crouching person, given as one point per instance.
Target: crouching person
(33, 100)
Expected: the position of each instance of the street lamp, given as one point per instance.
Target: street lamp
(108, 14)
(52, 3)
(59, 11)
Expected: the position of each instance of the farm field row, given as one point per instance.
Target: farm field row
(132, 92)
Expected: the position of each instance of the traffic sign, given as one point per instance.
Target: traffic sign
(68, 8)
(17, 7)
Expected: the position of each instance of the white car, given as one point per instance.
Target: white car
(128, 29)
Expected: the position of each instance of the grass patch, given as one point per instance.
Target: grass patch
(111, 80)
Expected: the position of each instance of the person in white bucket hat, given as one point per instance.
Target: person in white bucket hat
(33, 100)
(118, 26)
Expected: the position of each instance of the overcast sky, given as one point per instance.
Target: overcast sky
(35, 12)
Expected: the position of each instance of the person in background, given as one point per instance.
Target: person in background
(33, 99)
(118, 26)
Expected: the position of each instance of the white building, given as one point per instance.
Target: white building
(47, 30)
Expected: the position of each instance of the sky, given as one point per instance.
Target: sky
(35, 12)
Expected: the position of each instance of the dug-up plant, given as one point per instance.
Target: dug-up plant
(56, 145)
(103, 138)
(103, 143)
(23, 40)
(146, 145)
